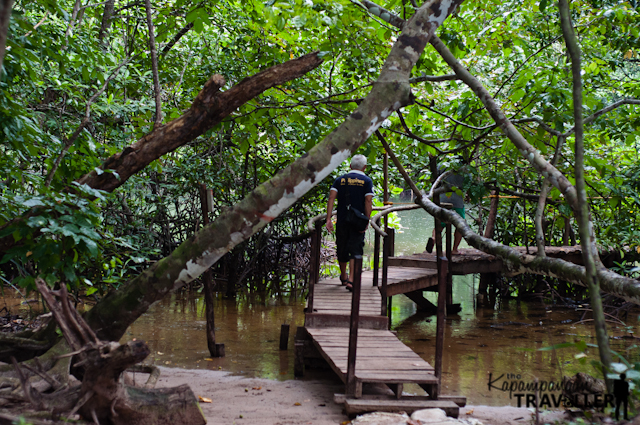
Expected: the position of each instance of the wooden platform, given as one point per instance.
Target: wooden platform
(332, 301)
(471, 260)
(381, 358)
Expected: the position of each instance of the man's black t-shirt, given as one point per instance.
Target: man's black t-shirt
(358, 185)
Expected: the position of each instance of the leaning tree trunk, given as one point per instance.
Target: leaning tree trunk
(115, 312)
(584, 223)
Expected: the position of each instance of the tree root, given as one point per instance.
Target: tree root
(153, 371)
(29, 343)
(101, 397)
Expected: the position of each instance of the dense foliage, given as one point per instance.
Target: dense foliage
(61, 54)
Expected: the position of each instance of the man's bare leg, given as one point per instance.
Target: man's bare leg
(457, 237)
(343, 271)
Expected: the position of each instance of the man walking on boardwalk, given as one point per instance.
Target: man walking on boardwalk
(355, 189)
(455, 180)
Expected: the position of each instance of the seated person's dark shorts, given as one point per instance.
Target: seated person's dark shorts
(349, 242)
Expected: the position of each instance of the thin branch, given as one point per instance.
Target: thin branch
(381, 12)
(74, 15)
(585, 226)
(404, 173)
(453, 119)
(35, 27)
(85, 121)
(515, 71)
(541, 123)
(50, 380)
(33, 397)
(433, 78)
(595, 115)
(154, 66)
(542, 200)
(374, 220)
(176, 38)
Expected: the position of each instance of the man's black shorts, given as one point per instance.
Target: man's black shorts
(349, 242)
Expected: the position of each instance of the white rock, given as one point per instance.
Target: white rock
(439, 417)
(381, 418)
(427, 416)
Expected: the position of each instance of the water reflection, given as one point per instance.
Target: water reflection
(478, 341)
(482, 341)
(174, 328)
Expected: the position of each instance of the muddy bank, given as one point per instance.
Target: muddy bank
(241, 400)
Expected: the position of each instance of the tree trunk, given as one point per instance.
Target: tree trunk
(5, 16)
(106, 20)
(493, 214)
(587, 238)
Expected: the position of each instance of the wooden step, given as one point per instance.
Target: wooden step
(406, 404)
(332, 321)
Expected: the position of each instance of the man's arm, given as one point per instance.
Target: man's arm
(332, 197)
(368, 205)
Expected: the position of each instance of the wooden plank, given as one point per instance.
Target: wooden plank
(359, 406)
(407, 377)
(321, 321)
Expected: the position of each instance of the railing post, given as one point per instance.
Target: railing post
(376, 256)
(385, 273)
(316, 244)
(441, 321)
(216, 350)
(449, 263)
(318, 227)
(443, 266)
(353, 388)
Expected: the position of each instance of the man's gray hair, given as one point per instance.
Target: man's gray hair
(358, 162)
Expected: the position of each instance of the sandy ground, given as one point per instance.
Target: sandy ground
(241, 400)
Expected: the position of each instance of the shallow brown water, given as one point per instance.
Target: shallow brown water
(479, 341)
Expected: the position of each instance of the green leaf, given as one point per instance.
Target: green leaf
(91, 246)
(34, 202)
(543, 5)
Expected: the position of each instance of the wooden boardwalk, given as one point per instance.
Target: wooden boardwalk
(381, 357)
(471, 260)
(332, 302)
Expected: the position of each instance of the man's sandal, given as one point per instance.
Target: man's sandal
(344, 281)
(349, 286)
(429, 246)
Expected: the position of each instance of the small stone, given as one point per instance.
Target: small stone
(429, 415)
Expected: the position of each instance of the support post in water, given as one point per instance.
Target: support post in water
(442, 266)
(441, 321)
(284, 337)
(354, 388)
(216, 350)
